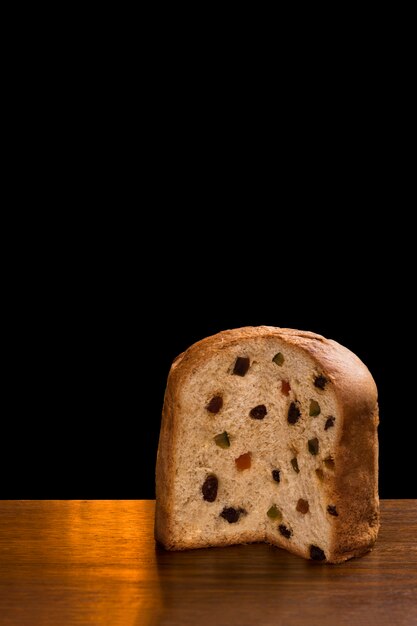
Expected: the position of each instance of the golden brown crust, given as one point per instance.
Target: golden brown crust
(165, 461)
(354, 488)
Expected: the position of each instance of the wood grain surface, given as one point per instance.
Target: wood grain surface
(95, 562)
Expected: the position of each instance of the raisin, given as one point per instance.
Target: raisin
(209, 488)
(329, 463)
(222, 440)
(278, 358)
(329, 422)
(258, 412)
(215, 404)
(243, 461)
(294, 464)
(320, 381)
(293, 413)
(314, 408)
(313, 446)
(285, 532)
(302, 506)
(285, 387)
(241, 365)
(276, 475)
(274, 513)
(320, 474)
(317, 554)
(231, 515)
(331, 509)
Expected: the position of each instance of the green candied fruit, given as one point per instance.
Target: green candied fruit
(222, 440)
(274, 513)
(314, 408)
(278, 358)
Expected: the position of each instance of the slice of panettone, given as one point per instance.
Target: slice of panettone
(269, 434)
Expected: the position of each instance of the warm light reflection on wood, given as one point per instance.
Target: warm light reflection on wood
(76, 562)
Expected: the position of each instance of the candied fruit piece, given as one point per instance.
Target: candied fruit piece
(285, 531)
(285, 387)
(209, 488)
(314, 408)
(276, 475)
(222, 440)
(313, 446)
(274, 513)
(231, 514)
(294, 464)
(215, 404)
(320, 381)
(258, 412)
(317, 553)
(241, 365)
(293, 413)
(278, 358)
(243, 461)
(329, 422)
(302, 506)
(329, 463)
(331, 509)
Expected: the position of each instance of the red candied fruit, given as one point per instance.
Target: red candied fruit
(285, 387)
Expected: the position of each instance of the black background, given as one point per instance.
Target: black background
(102, 325)
(177, 201)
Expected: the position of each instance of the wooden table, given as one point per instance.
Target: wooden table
(95, 562)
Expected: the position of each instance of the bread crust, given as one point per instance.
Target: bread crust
(354, 488)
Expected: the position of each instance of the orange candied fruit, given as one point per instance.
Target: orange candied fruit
(243, 461)
(285, 387)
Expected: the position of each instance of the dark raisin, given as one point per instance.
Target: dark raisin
(293, 413)
(302, 506)
(329, 463)
(276, 475)
(209, 488)
(331, 509)
(317, 554)
(329, 422)
(294, 464)
(215, 404)
(241, 365)
(285, 532)
(258, 412)
(313, 446)
(231, 515)
(320, 381)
